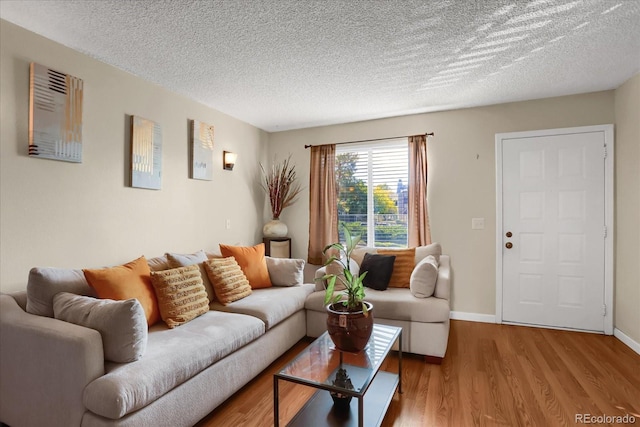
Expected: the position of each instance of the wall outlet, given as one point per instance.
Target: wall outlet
(227, 224)
(477, 223)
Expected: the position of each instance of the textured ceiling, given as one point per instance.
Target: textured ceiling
(281, 64)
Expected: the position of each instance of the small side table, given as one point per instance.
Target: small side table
(277, 247)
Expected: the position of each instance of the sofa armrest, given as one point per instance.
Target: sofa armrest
(46, 364)
(443, 284)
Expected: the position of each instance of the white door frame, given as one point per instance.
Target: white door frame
(608, 153)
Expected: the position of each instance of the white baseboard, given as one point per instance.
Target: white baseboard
(472, 317)
(633, 345)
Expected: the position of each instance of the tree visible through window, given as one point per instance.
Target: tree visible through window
(371, 181)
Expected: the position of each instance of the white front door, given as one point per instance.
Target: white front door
(553, 228)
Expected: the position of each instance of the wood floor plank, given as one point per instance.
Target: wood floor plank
(492, 375)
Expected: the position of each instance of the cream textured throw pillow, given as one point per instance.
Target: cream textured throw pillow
(424, 277)
(122, 324)
(181, 294)
(229, 282)
(285, 271)
(184, 260)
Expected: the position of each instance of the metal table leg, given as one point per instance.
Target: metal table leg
(276, 415)
(400, 364)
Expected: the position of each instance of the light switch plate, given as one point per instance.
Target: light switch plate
(477, 223)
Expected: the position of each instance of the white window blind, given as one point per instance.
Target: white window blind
(372, 183)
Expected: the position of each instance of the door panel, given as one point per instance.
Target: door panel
(553, 201)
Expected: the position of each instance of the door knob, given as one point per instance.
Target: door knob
(509, 234)
(509, 245)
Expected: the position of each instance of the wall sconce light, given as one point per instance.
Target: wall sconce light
(229, 160)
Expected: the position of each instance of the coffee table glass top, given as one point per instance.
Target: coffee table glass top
(318, 364)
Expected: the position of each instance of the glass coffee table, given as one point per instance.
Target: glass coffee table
(322, 366)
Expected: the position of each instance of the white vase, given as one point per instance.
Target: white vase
(275, 228)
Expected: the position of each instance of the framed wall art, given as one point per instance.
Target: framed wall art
(201, 151)
(55, 114)
(146, 154)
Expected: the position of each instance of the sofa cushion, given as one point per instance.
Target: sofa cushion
(252, 262)
(229, 282)
(424, 277)
(270, 305)
(45, 283)
(402, 267)
(173, 356)
(285, 271)
(379, 269)
(395, 304)
(131, 280)
(421, 251)
(181, 294)
(122, 324)
(198, 258)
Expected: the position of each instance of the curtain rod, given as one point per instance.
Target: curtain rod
(371, 140)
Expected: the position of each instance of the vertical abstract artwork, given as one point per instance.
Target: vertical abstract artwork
(55, 115)
(201, 151)
(146, 154)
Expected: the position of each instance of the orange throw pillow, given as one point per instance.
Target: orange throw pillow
(131, 280)
(252, 263)
(402, 267)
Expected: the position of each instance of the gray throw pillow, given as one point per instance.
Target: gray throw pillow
(122, 324)
(424, 277)
(285, 271)
(45, 282)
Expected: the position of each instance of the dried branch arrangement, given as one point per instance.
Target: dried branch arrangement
(281, 184)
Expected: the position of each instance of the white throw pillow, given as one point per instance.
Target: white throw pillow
(285, 271)
(424, 277)
(122, 324)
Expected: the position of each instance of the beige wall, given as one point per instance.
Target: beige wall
(627, 249)
(461, 175)
(76, 215)
(84, 215)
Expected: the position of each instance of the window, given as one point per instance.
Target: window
(371, 180)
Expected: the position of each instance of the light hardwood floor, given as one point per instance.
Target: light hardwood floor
(491, 375)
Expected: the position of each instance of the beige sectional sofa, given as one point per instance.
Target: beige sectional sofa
(54, 373)
(424, 321)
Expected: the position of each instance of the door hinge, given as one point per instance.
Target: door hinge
(604, 309)
(605, 151)
(605, 231)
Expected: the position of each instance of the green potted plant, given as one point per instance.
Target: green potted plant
(349, 317)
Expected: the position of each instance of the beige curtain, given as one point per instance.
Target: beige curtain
(323, 205)
(419, 232)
